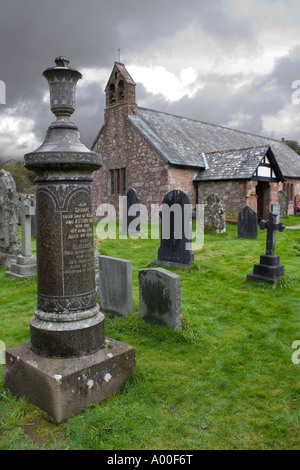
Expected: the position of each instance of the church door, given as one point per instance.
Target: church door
(262, 192)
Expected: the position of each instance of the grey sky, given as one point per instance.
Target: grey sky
(228, 62)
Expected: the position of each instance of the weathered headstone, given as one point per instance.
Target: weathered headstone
(269, 270)
(284, 203)
(214, 214)
(247, 223)
(26, 262)
(176, 231)
(9, 240)
(68, 363)
(160, 297)
(128, 218)
(115, 285)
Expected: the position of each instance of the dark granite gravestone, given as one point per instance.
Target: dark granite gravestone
(68, 363)
(269, 270)
(247, 223)
(131, 199)
(176, 231)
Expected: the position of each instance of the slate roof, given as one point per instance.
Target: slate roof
(235, 164)
(182, 141)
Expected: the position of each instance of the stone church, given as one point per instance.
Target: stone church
(154, 153)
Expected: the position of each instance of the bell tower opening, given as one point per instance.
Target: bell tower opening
(112, 93)
(120, 90)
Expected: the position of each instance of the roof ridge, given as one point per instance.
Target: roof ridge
(210, 124)
(239, 149)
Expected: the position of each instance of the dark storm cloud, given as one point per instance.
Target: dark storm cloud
(34, 32)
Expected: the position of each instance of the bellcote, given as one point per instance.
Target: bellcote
(120, 89)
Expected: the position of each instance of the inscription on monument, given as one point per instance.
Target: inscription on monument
(78, 236)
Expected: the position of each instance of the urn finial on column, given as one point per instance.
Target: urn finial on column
(62, 84)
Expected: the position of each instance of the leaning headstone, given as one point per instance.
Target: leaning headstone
(269, 270)
(247, 223)
(26, 262)
(115, 285)
(68, 362)
(160, 297)
(214, 214)
(284, 203)
(176, 231)
(9, 205)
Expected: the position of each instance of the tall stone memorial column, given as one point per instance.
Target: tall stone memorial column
(68, 363)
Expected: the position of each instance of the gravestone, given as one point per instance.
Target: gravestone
(247, 223)
(160, 297)
(26, 262)
(68, 363)
(115, 285)
(176, 231)
(214, 214)
(131, 200)
(9, 204)
(284, 203)
(269, 270)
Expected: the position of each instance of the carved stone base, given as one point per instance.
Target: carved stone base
(64, 387)
(68, 338)
(174, 263)
(268, 270)
(24, 267)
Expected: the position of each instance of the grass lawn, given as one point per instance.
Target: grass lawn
(225, 381)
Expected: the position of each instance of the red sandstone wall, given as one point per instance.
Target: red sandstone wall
(231, 192)
(122, 146)
(182, 178)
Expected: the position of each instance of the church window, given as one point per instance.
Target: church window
(118, 181)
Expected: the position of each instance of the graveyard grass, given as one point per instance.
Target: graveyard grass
(225, 381)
